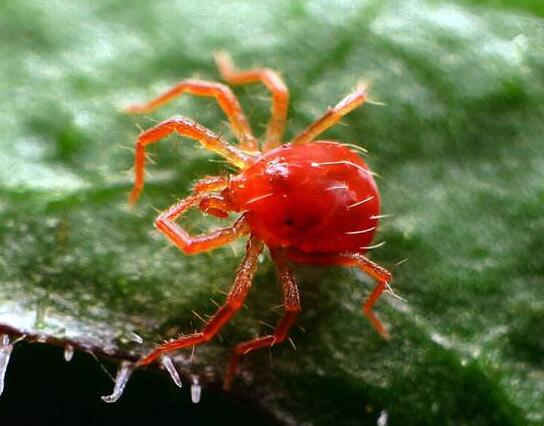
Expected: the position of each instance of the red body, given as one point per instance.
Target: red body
(317, 197)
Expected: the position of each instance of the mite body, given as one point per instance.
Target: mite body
(312, 202)
(318, 197)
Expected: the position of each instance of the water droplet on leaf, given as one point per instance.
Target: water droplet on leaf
(68, 353)
(170, 367)
(121, 380)
(136, 338)
(196, 390)
(383, 419)
(5, 353)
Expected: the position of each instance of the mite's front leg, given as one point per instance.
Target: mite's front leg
(333, 115)
(273, 82)
(224, 97)
(189, 129)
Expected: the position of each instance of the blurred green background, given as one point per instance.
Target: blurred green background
(457, 145)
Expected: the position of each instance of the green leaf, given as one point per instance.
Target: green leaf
(458, 146)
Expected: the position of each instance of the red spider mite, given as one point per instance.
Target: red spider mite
(309, 202)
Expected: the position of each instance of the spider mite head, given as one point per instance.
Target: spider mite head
(317, 197)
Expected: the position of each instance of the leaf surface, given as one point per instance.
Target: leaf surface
(458, 146)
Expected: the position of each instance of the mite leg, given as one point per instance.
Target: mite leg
(192, 245)
(273, 82)
(291, 302)
(234, 302)
(210, 183)
(224, 97)
(215, 205)
(333, 115)
(187, 128)
(380, 274)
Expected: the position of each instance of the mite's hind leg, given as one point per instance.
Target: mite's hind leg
(333, 115)
(380, 274)
(273, 82)
(224, 97)
(235, 300)
(291, 302)
(187, 128)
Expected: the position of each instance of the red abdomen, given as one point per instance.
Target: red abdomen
(317, 197)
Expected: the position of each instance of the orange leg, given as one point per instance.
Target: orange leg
(380, 274)
(276, 86)
(224, 97)
(202, 243)
(215, 205)
(291, 302)
(187, 128)
(234, 302)
(333, 115)
(210, 183)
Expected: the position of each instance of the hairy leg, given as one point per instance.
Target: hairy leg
(187, 128)
(189, 244)
(380, 274)
(273, 82)
(234, 302)
(215, 205)
(291, 303)
(224, 97)
(210, 184)
(333, 115)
